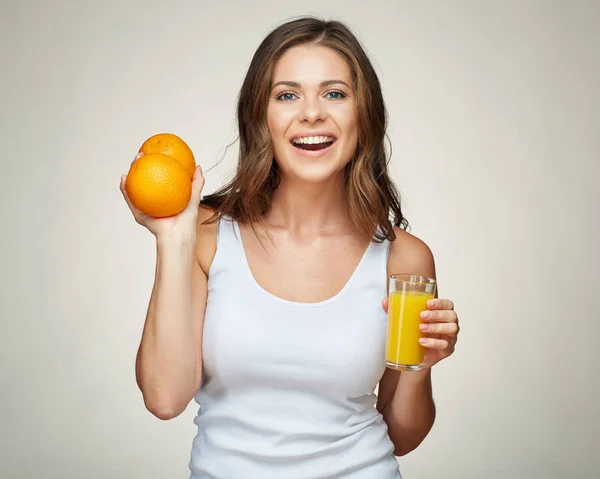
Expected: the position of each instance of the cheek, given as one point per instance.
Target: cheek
(348, 123)
(353, 123)
(351, 143)
(271, 124)
(351, 128)
(277, 121)
(273, 131)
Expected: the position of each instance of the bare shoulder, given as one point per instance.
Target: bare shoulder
(206, 238)
(410, 255)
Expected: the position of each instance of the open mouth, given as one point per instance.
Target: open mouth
(313, 143)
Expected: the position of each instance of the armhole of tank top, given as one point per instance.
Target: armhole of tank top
(386, 245)
(217, 246)
(386, 260)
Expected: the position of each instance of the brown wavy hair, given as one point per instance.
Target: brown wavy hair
(373, 200)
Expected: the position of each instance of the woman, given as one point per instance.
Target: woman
(267, 302)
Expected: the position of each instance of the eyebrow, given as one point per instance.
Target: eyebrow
(325, 83)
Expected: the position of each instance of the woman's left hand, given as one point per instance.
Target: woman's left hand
(439, 325)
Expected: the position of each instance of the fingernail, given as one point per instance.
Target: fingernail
(423, 340)
(424, 327)
(425, 315)
(431, 303)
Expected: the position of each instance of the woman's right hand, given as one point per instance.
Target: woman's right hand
(178, 227)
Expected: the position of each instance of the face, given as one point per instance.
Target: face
(312, 114)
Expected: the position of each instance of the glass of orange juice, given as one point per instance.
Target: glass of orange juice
(408, 297)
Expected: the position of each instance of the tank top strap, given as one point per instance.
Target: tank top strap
(374, 271)
(228, 252)
(225, 233)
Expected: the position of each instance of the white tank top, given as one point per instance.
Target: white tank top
(288, 388)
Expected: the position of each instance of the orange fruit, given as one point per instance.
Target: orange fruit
(171, 145)
(158, 185)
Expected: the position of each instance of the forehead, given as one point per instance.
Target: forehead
(311, 64)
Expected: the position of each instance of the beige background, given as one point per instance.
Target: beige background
(494, 112)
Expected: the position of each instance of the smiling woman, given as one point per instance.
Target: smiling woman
(299, 111)
(308, 80)
(267, 304)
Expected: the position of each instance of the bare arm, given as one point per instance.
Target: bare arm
(405, 399)
(169, 360)
(406, 403)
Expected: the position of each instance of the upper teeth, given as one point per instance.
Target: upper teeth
(311, 140)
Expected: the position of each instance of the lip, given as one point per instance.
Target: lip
(313, 153)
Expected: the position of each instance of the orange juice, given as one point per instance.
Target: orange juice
(403, 333)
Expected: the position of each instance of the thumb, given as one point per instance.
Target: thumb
(197, 183)
(384, 304)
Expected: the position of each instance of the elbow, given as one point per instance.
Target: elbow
(164, 412)
(403, 449)
(163, 409)
(408, 440)
(165, 403)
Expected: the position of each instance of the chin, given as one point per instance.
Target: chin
(313, 174)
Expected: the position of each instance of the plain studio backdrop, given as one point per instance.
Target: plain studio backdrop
(494, 124)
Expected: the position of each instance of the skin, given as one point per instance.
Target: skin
(313, 244)
(312, 232)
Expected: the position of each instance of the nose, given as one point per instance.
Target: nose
(312, 110)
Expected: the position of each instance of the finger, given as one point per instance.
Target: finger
(197, 172)
(124, 189)
(136, 213)
(452, 339)
(440, 304)
(451, 329)
(443, 316)
(385, 304)
(138, 156)
(198, 178)
(197, 185)
(437, 344)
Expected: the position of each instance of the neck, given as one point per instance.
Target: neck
(305, 208)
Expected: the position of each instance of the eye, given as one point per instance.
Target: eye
(336, 95)
(285, 96)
